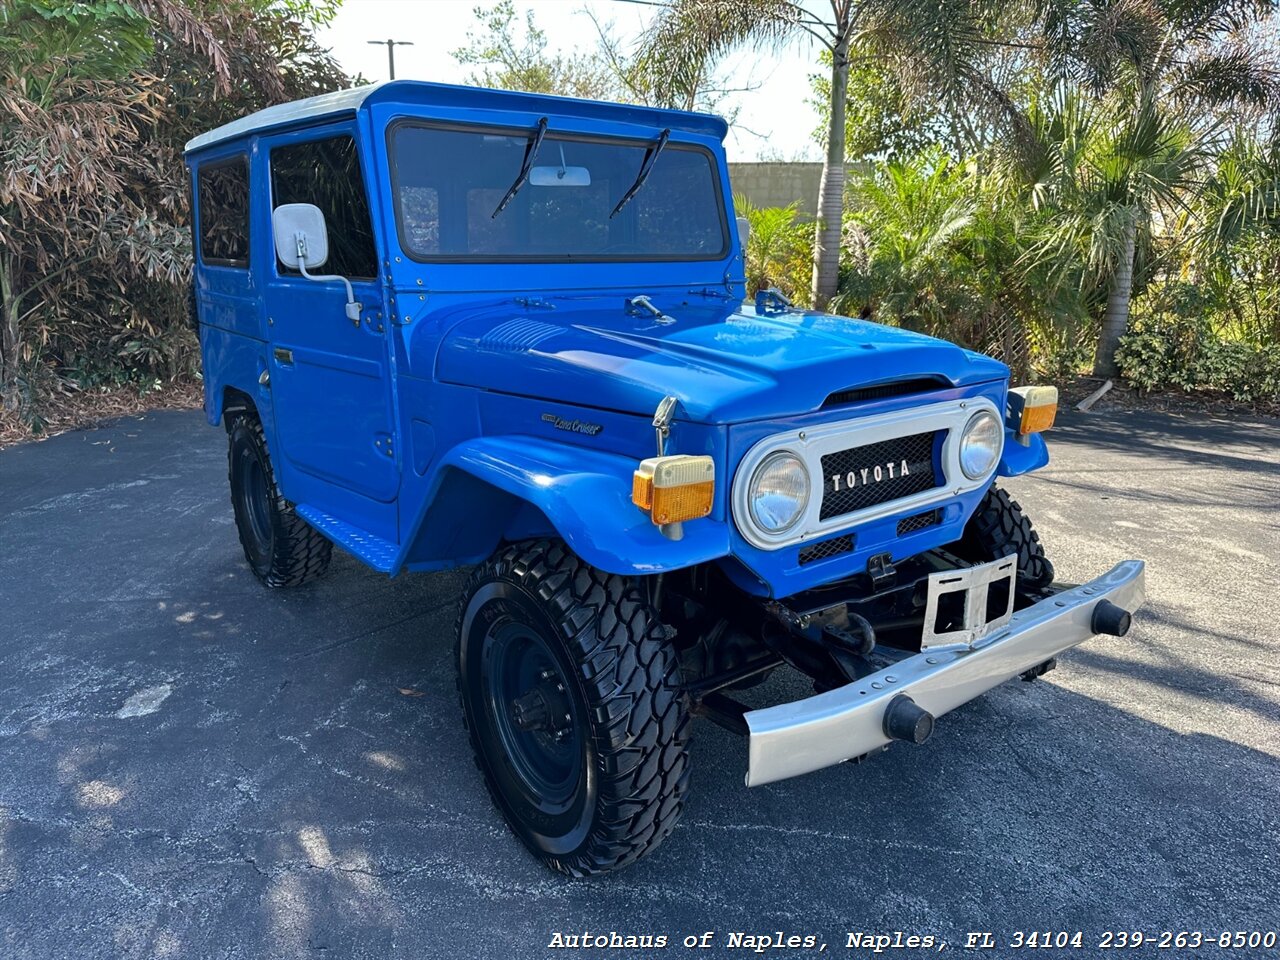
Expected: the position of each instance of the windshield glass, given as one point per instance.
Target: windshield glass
(448, 184)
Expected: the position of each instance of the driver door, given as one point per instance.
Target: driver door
(330, 376)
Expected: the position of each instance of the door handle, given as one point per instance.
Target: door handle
(283, 356)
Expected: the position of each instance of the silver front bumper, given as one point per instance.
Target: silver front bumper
(795, 738)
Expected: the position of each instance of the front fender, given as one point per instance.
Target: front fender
(1018, 459)
(586, 496)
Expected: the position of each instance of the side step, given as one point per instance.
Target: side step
(373, 550)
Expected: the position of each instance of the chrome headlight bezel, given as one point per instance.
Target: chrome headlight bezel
(811, 443)
(773, 462)
(993, 442)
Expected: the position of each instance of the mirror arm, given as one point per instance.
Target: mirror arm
(353, 308)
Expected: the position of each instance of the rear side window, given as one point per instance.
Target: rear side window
(224, 212)
(327, 173)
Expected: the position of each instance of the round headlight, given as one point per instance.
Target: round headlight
(779, 492)
(980, 444)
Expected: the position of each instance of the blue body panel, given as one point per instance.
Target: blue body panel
(727, 363)
(475, 403)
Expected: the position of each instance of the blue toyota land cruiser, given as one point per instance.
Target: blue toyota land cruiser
(450, 327)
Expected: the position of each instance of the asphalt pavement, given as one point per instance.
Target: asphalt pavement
(194, 766)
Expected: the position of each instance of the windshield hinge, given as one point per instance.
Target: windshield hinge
(711, 294)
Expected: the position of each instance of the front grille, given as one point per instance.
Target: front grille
(825, 549)
(919, 521)
(872, 474)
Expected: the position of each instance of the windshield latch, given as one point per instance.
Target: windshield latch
(772, 300)
(642, 306)
(662, 418)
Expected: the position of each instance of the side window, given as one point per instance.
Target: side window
(224, 212)
(327, 174)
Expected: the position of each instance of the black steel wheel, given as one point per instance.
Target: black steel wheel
(570, 693)
(999, 528)
(283, 550)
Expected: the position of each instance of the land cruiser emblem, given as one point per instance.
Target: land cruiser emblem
(869, 475)
(573, 426)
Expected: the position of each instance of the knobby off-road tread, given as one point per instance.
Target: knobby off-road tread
(999, 528)
(631, 678)
(299, 553)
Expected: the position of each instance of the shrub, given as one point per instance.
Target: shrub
(779, 250)
(1173, 344)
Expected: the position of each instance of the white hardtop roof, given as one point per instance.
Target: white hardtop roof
(340, 101)
(418, 93)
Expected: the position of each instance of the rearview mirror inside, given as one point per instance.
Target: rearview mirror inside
(560, 177)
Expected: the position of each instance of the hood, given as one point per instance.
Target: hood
(725, 363)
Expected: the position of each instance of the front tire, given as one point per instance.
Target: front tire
(571, 695)
(999, 528)
(283, 550)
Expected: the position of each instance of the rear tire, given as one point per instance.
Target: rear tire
(571, 695)
(999, 528)
(283, 550)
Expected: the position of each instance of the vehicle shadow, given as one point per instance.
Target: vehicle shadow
(1240, 443)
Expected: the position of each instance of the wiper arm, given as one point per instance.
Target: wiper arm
(646, 168)
(530, 154)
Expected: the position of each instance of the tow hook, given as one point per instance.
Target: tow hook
(1039, 670)
(904, 720)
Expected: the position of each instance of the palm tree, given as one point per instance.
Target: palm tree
(1168, 75)
(1100, 180)
(1238, 246)
(935, 44)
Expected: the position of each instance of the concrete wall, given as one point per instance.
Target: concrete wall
(776, 184)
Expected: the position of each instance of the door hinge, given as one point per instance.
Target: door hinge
(383, 442)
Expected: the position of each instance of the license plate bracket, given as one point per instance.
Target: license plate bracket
(975, 585)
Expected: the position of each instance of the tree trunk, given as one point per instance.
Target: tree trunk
(8, 333)
(1116, 319)
(826, 247)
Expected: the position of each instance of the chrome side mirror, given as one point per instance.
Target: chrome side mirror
(302, 242)
(302, 239)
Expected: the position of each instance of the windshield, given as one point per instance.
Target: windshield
(450, 185)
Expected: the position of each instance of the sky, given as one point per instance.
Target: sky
(774, 120)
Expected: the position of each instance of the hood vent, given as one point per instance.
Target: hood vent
(899, 388)
(518, 335)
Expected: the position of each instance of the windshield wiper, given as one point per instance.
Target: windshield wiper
(530, 154)
(646, 168)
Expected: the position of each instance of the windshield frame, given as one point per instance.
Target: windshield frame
(640, 142)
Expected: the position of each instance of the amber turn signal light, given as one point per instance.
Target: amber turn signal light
(674, 489)
(1032, 409)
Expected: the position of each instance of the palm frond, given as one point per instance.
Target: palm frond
(688, 36)
(1237, 77)
(1118, 37)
